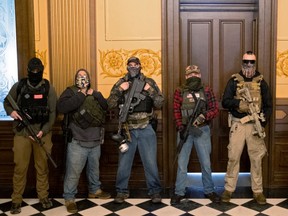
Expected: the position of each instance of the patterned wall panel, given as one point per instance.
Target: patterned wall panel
(8, 52)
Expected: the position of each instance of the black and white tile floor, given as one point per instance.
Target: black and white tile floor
(241, 203)
(135, 207)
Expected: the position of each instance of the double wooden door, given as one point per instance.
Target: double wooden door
(214, 34)
(215, 40)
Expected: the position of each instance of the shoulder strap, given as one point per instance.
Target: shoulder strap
(21, 83)
(73, 88)
(238, 77)
(47, 87)
(258, 78)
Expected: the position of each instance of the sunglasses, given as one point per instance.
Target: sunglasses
(248, 61)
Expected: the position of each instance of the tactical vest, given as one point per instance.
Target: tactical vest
(34, 102)
(90, 113)
(189, 103)
(145, 105)
(253, 86)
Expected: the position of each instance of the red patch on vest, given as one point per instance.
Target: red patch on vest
(38, 96)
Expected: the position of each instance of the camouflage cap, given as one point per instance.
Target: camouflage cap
(192, 69)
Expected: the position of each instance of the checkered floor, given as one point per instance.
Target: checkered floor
(135, 207)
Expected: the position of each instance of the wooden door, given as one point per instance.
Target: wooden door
(214, 34)
(214, 37)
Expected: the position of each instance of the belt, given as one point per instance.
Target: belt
(138, 121)
(244, 120)
(235, 119)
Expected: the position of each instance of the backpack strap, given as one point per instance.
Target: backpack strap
(21, 83)
(47, 87)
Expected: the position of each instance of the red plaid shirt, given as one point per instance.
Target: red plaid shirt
(212, 105)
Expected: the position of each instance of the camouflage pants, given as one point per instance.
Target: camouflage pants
(239, 135)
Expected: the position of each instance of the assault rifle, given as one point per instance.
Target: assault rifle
(67, 133)
(190, 128)
(133, 98)
(254, 114)
(25, 123)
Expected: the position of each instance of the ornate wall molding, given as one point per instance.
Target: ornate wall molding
(113, 62)
(282, 63)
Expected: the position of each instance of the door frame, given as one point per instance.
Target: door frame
(171, 75)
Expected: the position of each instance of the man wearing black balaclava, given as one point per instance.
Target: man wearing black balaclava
(35, 71)
(36, 97)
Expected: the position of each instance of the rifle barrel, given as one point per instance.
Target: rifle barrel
(26, 123)
(192, 118)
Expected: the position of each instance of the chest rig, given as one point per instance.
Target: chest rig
(34, 101)
(189, 102)
(253, 86)
(90, 113)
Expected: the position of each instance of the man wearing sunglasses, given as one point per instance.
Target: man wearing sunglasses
(247, 97)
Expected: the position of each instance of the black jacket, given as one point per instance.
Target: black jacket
(232, 104)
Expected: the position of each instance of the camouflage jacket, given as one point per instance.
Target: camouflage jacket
(153, 92)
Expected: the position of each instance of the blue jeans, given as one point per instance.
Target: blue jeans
(75, 162)
(203, 149)
(145, 140)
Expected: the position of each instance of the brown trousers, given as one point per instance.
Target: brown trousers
(23, 148)
(239, 133)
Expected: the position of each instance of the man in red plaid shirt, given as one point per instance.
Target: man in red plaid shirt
(185, 99)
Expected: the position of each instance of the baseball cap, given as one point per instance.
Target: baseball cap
(192, 69)
(134, 59)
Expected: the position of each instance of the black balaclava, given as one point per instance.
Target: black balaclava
(133, 71)
(35, 71)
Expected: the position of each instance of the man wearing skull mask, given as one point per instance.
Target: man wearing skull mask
(140, 130)
(37, 97)
(85, 108)
(241, 131)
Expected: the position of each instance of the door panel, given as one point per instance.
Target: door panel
(215, 40)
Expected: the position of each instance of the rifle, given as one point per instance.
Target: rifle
(25, 123)
(133, 98)
(67, 134)
(190, 128)
(254, 114)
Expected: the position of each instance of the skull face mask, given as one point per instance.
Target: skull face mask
(248, 70)
(82, 81)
